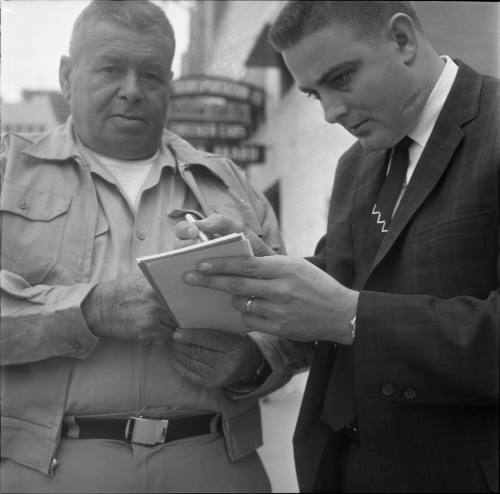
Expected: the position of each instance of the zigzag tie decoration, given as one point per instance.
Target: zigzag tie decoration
(380, 222)
(386, 202)
(382, 210)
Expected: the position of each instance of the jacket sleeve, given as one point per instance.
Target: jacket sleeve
(38, 321)
(430, 350)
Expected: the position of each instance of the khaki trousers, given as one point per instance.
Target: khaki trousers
(196, 464)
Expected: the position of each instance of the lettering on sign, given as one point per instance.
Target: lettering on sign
(209, 130)
(218, 115)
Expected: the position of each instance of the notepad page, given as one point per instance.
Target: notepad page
(196, 307)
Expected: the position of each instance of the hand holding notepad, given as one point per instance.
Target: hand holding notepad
(194, 307)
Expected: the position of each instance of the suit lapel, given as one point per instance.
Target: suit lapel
(434, 160)
(367, 187)
(460, 107)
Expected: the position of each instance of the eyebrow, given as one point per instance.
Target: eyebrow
(329, 73)
(106, 58)
(116, 59)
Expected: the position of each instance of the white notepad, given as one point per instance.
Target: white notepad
(195, 307)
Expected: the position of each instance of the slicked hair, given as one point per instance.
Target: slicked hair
(298, 19)
(140, 16)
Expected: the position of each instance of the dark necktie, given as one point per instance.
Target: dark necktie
(382, 210)
(339, 407)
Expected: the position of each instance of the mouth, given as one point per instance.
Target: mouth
(354, 128)
(129, 117)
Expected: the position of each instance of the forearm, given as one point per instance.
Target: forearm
(40, 322)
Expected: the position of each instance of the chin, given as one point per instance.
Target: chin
(371, 144)
(376, 142)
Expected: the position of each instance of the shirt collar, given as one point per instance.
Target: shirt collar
(435, 102)
(61, 145)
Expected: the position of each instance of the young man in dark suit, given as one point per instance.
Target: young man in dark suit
(402, 297)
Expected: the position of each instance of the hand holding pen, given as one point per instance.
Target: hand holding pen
(191, 219)
(217, 225)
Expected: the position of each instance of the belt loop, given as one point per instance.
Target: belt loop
(214, 423)
(71, 428)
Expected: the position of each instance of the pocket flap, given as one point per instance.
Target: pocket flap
(33, 204)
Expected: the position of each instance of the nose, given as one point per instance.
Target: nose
(130, 89)
(333, 107)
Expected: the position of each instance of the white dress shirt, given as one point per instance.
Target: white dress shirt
(432, 108)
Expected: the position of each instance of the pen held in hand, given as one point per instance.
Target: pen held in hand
(191, 219)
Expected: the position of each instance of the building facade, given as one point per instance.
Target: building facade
(228, 39)
(38, 111)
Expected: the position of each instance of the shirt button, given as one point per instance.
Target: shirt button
(22, 204)
(140, 235)
(387, 389)
(410, 393)
(76, 344)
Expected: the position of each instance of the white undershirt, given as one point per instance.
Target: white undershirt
(131, 175)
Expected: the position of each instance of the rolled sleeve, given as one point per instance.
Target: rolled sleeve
(40, 322)
(285, 358)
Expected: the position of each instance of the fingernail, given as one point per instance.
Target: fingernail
(205, 266)
(191, 278)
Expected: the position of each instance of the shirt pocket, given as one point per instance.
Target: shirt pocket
(33, 223)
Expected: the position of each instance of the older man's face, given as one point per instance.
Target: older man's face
(118, 91)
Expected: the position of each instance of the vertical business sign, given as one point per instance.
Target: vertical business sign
(218, 115)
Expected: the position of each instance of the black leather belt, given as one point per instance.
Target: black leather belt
(141, 430)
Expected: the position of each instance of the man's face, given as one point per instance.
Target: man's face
(364, 85)
(118, 91)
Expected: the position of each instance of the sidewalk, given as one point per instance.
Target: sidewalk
(279, 415)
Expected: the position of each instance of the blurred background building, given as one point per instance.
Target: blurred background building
(284, 144)
(38, 111)
(229, 39)
(230, 73)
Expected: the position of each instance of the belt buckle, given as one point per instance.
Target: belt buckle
(140, 430)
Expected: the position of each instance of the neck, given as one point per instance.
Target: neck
(428, 70)
(432, 67)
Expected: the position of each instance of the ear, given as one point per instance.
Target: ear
(65, 70)
(170, 76)
(401, 30)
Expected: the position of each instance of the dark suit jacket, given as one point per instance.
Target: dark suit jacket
(428, 321)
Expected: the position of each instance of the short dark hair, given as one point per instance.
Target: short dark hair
(300, 18)
(141, 16)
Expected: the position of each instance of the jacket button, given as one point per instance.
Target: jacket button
(140, 235)
(22, 204)
(387, 389)
(410, 393)
(76, 344)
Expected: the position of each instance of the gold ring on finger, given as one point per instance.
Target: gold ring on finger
(248, 306)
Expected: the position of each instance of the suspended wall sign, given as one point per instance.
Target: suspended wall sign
(218, 115)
